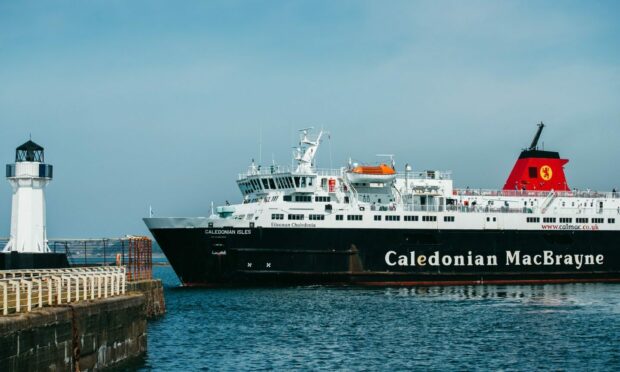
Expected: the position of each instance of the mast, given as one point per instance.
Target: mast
(534, 144)
(306, 151)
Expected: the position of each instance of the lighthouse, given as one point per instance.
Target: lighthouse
(28, 176)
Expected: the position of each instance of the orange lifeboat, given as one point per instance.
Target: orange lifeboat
(368, 173)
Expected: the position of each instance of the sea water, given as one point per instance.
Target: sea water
(491, 327)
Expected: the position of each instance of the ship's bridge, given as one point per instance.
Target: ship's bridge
(271, 179)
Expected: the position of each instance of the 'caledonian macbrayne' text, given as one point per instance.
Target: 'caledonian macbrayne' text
(512, 258)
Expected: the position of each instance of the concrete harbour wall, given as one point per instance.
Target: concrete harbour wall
(83, 336)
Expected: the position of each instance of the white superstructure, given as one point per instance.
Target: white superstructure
(304, 196)
(307, 197)
(28, 176)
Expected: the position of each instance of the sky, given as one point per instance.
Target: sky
(163, 103)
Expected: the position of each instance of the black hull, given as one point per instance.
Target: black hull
(300, 256)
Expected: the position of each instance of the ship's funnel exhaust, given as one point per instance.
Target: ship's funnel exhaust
(538, 170)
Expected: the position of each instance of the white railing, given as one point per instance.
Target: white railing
(537, 194)
(426, 175)
(21, 290)
(286, 170)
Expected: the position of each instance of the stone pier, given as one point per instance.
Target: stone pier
(84, 336)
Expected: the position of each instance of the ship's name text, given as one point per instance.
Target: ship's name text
(512, 258)
(229, 232)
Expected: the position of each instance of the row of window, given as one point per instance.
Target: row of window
(274, 183)
(359, 217)
(569, 220)
(306, 198)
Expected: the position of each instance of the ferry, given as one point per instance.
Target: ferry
(377, 225)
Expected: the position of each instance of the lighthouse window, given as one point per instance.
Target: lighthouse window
(611, 220)
(392, 218)
(448, 218)
(533, 172)
(277, 216)
(354, 217)
(411, 218)
(295, 216)
(566, 220)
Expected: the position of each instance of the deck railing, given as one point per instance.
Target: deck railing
(23, 290)
(538, 194)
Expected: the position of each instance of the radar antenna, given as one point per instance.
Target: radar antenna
(534, 144)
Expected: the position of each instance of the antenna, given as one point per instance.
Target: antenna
(260, 145)
(534, 144)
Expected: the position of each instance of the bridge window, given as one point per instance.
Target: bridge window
(296, 181)
(272, 184)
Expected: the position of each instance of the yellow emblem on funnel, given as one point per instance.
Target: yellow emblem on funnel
(546, 173)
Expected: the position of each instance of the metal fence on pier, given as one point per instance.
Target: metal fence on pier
(23, 290)
(135, 253)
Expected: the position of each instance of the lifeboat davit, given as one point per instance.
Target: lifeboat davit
(381, 173)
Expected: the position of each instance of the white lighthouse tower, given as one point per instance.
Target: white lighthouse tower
(28, 177)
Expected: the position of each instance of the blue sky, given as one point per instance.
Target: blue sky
(161, 103)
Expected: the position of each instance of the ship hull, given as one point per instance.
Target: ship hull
(220, 257)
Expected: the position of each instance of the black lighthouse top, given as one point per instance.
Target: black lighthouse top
(29, 151)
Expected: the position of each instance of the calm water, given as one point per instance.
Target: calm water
(559, 327)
